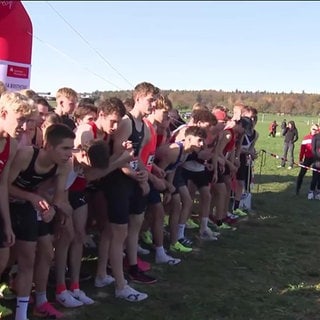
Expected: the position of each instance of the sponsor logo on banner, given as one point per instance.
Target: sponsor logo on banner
(16, 76)
(18, 72)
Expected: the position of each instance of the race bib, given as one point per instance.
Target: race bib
(134, 165)
(150, 160)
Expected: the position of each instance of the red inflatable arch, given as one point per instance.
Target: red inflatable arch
(15, 45)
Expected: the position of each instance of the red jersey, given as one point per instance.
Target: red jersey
(306, 147)
(4, 155)
(148, 151)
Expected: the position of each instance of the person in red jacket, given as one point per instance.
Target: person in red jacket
(306, 156)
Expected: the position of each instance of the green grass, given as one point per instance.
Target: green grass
(267, 269)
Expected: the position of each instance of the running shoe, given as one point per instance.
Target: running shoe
(46, 310)
(103, 282)
(190, 224)
(138, 276)
(178, 247)
(166, 259)
(130, 294)
(146, 237)
(81, 296)
(6, 293)
(5, 312)
(240, 212)
(67, 300)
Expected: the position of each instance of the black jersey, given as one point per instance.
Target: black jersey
(136, 137)
(29, 179)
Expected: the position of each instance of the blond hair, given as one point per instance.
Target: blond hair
(163, 102)
(3, 88)
(143, 89)
(66, 92)
(28, 93)
(18, 103)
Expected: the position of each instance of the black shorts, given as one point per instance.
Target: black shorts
(124, 197)
(243, 171)
(77, 199)
(199, 178)
(154, 195)
(25, 224)
(178, 180)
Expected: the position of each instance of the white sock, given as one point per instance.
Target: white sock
(181, 230)
(41, 298)
(21, 308)
(160, 252)
(204, 224)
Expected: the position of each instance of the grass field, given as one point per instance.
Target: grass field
(269, 268)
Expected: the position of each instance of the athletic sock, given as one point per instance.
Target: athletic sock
(160, 252)
(204, 224)
(41, 298)
(21, 308)
(60, 288)
(181, 231)
(236, 204)
(74, 286)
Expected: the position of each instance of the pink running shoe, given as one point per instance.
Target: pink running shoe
(46, 310)
(143, 265)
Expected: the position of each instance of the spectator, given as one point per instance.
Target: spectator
(290, 137)
(283, 127)
(306, 156)
(273, 128)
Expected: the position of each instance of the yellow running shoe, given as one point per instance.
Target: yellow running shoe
(146, 237)
(178, 247)
(240, 213)
(190, 224)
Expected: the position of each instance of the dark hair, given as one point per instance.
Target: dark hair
(83, 109)
(203, 115)
(98, 152)
(58, 132)
(196, 131)
(43, 101)
(111, 105)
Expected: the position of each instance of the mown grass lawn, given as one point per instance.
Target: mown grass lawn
(269, 268)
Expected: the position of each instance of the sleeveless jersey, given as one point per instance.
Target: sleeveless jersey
(136, 138)
(29, 179)
(95, 131)
(181, 158)
(148, 151)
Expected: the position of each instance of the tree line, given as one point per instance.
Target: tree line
(264, 102)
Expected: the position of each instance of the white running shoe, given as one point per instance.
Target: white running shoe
(166, 259)
(130, 294)
(143, 251)
(208, 235)
(67, 300)
(107, 280)
(310, 195)
(81, 296)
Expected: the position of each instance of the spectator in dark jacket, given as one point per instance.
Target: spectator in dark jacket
(290, 137)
